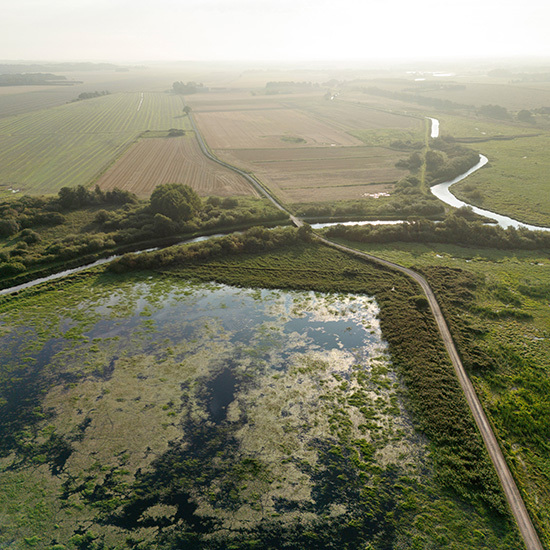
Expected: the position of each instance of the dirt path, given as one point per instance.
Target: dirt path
(511, 491)
(513, 496)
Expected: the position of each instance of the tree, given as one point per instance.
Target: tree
(494, 111)
(525, 116)
(177, 201)
(8, 227)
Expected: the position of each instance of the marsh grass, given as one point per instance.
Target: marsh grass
(497, 305)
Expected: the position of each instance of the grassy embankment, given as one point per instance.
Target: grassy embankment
(497, 305)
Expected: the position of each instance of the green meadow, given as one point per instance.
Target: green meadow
(497, 305)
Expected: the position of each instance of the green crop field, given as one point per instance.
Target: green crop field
(69, 145)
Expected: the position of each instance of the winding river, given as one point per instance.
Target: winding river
(441, 191)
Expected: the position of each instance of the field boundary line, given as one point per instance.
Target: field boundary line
(250, 178)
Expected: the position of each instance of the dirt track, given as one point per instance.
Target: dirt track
(513, 496)
(515, 501)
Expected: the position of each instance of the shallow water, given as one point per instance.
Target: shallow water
(267, 327)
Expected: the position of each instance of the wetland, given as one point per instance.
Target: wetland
(155, 411)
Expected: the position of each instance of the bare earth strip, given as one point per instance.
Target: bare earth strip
(155, 161)
(320, 174)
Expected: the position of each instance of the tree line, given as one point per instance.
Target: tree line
(98, 221)
(455, 229)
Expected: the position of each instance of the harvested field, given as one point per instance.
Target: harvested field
(155, 161)
(231, 101)
(312, 174)
(268, 129)
(42, 151)
(17, 100)
(358, 116)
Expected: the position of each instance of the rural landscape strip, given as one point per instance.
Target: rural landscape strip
(513, 496)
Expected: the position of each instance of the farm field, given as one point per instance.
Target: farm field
(155, 161)
(70, 145)
(359, 116)
(305, 147)
(513, 96)
(17, 100)
(296, 175)
(268, 128)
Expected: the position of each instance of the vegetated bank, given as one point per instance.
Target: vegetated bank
(40, 235)
(410, 197)
(453, 501)
(458, 227)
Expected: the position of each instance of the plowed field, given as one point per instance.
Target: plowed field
(321, 174)
(155, 161)
(267, 129)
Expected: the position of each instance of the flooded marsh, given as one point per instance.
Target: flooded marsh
(155, 412)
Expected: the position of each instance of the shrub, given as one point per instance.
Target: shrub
(8, 227)
(175, 200)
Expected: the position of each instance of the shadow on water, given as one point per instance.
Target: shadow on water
(221, 392)
(22, 392)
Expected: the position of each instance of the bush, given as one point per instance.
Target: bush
(30, 236)
(177, 201)
(12, 268)
(8, 227)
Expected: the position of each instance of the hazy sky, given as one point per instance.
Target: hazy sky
(136, 30)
